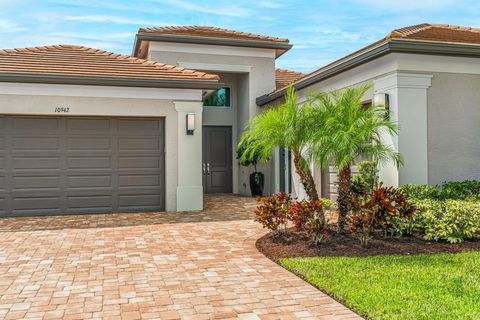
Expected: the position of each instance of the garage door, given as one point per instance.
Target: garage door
(80, 165)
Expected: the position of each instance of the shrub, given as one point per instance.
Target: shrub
(381, 209)
(451, 220)
(309, 215)
(461, 190)
(367, 177)
(457, 190)
(420, 191)
(272, 211)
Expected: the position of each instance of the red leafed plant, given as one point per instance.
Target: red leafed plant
(380, 209)
(272, 212)
(309, 215)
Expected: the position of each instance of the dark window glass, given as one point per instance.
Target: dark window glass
(220, 98)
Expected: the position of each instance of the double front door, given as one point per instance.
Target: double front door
(217, 159)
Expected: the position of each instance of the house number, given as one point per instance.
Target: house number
(62, 110)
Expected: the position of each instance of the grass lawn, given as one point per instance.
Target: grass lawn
(440, 286)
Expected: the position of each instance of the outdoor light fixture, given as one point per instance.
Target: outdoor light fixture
(190, 125)
(381, 99)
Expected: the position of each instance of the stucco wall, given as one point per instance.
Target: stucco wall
(258, 80)
(453, 126)
(102, 106)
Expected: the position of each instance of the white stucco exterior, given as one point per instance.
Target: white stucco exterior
(183, 191)
(408, 79)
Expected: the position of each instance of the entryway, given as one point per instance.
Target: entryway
(217, 159)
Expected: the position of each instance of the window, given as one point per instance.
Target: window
(221, 98)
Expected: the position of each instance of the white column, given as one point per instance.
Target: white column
(189, 188)
(408, 105)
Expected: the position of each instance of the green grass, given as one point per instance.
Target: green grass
(440, 286)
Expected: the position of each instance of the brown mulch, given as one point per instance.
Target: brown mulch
(298, 244)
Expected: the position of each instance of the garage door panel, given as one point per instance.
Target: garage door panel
(100, 202)
(36, 182)
(70, 165)
(32, 143)
(45, 125)
(90, 181)
(33, 203)
(139, 180)
(36, 163)
(88, 125)
(89, 143)
(139, 127)
(139, 200)
(151, 144)
(139, 162)
(88, 162)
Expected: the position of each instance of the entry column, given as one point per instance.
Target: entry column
(189, 187)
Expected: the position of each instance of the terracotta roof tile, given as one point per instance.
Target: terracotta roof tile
(437, 32)
(210, 32)
(421, 32)
(70, 60)
(285, 77)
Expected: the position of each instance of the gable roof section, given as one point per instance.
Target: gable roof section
(437, 39)
(81, 65)
(209, 35)
(285, 77)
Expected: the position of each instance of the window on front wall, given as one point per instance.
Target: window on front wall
(219, 99)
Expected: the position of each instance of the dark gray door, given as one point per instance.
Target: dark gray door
(217, 159)
(81, 165)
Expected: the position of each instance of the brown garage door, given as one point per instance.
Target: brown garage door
(79, 165)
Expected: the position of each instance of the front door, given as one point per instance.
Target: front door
(217, 159)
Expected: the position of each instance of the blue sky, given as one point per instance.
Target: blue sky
(321, 31)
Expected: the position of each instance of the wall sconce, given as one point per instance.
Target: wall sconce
(190, 125)
(381, 99)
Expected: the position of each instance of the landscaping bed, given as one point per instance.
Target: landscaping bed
(298, 244)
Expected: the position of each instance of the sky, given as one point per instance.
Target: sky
(320, 31)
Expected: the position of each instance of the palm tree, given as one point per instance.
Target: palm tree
(350, 131)
(287, 125)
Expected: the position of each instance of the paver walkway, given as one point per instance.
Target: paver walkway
(150, 266)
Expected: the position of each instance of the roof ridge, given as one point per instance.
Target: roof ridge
(408, 30)
(174, 28)
(158, 65)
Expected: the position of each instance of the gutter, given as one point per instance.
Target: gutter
(389, 46)
(108, 81)
(146, 36)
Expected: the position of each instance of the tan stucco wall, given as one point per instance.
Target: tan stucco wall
(88, 106)
(453, 127)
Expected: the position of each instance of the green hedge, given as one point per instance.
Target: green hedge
(449, 220)
(461, 190)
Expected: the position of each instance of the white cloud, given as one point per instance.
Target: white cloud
(408, 5)
(7, 26)
(112, 19)
(224, 10)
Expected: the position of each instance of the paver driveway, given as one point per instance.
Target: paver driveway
(150, 265)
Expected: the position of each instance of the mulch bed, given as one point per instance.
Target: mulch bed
(298, 244)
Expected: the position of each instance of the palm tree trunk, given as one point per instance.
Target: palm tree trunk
(305, 177)
(344, 191)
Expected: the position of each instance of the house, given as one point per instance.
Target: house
(85, 131)
(430, 74)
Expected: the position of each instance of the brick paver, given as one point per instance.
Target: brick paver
(150, 266)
